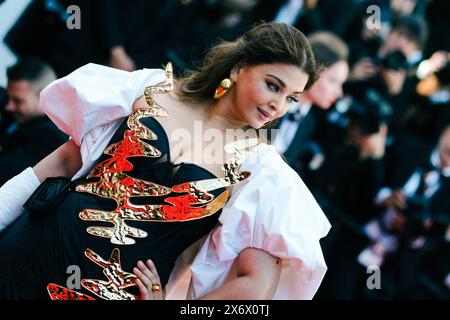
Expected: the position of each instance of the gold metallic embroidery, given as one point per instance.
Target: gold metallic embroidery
(58, 292)
(186, 201)
(118, 279)
(165, 87)
(113, 289)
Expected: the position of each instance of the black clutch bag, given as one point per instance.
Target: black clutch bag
(48, 195)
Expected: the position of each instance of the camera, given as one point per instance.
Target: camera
(394, 60)
(369, 111)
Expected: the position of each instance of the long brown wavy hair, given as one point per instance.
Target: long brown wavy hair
(263, 44)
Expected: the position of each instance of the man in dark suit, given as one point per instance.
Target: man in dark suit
(296, 128)
(415, 220)
(32, 135)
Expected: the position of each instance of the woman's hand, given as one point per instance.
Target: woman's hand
(148, 281)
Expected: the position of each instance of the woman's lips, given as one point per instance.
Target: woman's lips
(264, 115)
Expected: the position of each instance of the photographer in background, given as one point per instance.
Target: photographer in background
(414, 226)
(430, 113)
(34, 135)
(345, 188)
(392, 71)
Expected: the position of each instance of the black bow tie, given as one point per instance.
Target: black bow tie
(294, 116)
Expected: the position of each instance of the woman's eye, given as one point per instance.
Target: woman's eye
(272, 87)
(291, 100)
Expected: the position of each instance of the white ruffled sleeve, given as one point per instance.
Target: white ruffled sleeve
(90, 103)
(273, 211)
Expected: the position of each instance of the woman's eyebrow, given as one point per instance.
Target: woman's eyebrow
(281, 82)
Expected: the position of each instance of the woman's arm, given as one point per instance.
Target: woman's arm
(63, 162)
(258, 273)
(257, 276)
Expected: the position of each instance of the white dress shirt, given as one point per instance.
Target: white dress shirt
(289, 125)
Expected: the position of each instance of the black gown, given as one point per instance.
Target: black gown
(39, 247)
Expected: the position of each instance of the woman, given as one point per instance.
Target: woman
(332, 53)
(142, 195)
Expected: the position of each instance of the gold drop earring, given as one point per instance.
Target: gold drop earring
(223, 87)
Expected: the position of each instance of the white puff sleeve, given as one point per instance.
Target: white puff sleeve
(273, 211)
(90, 103)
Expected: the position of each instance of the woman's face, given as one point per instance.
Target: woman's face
(265, 92)
(328, 88)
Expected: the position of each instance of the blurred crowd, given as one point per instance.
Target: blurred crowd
(371, 139)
